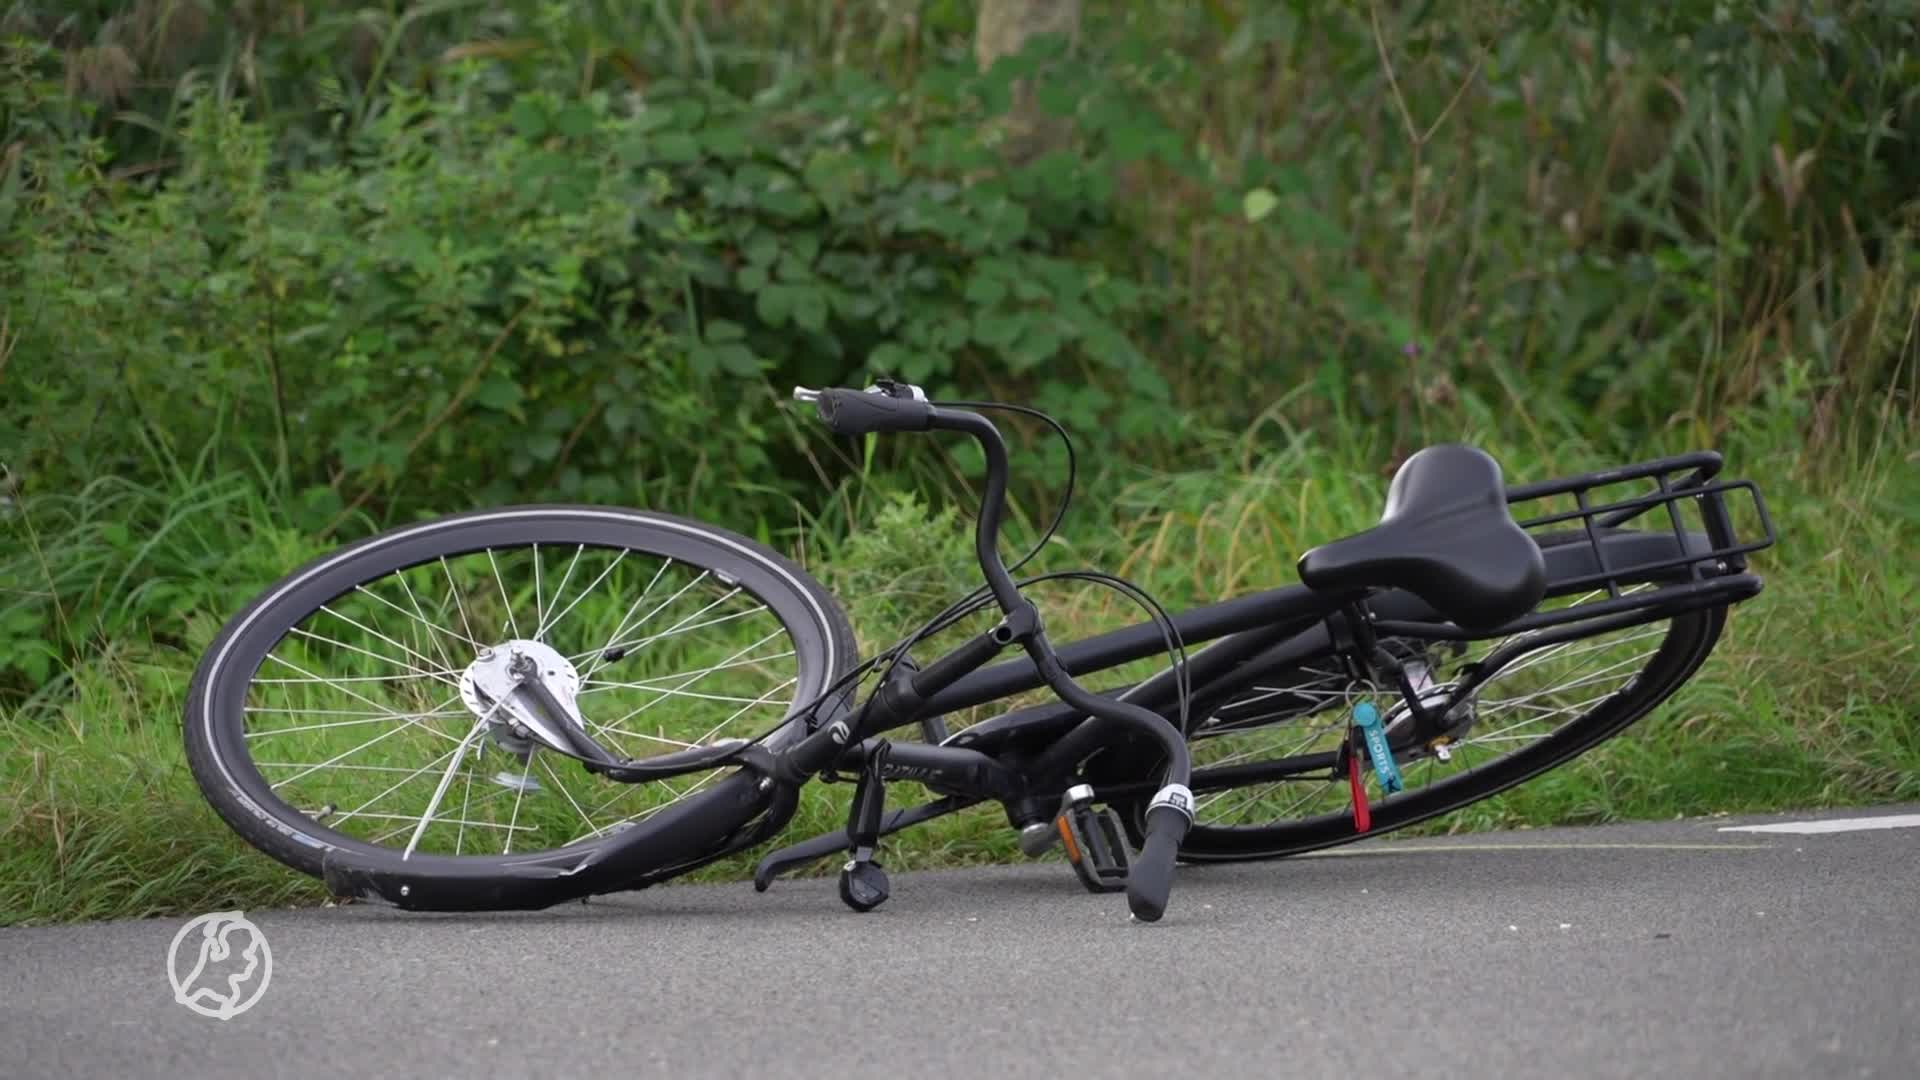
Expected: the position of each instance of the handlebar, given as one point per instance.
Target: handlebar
(1150, 877)
(897, 407)
(857, 412)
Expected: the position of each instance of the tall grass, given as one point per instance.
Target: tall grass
(102, 819)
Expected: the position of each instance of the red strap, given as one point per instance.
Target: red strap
(1362, 819)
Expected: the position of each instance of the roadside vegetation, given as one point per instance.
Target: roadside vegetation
(273, 277)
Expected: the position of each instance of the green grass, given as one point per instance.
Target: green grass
(1570, 238)
(1810, 700)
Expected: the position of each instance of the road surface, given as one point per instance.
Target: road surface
(1674, 948)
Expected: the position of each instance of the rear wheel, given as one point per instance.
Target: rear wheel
(336, 713)
(1542, 708)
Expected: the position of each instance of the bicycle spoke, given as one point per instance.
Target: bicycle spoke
(466, 809)
(612, 730)
(1513, 708)
(414, 602)
(446, 780)
(412, 774)
(453, 590)
(551, 775)
(541, 631)
(356, 695)
(463, 823)
(621, 626)
(643, 815)
(318, 681)
(647, 683)
(519, 793)
(380, 738)
(539, 607)
(420, 617)
(442, 676)
(696, 677)
(345, 723)
(513, 624)
(358, 709)
(761, 700)
(678, 628)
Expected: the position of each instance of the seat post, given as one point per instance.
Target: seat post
(1356, 637)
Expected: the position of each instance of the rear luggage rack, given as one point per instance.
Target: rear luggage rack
(1688, 569)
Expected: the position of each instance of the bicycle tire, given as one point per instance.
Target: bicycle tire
(217, 711)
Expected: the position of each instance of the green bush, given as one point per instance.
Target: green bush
(563, 296)
(569, 294)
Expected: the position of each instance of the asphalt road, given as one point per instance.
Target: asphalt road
(1643, 950)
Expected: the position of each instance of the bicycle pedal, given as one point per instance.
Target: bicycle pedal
(1095, 844)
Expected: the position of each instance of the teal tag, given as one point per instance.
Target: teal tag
(1367, 719)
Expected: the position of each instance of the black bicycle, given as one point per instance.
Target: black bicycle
(516, 707)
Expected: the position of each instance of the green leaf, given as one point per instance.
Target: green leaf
(733, 358)
(1259, 203)
(996, 330)
(763, 247)
(809, 307)
(675, 148)
(772, 304)
(574, 121)
(1036, 345)
(544, 446)
(727, 142)
(889, 359)
(528, 118)
(986, 291)
(499, 393)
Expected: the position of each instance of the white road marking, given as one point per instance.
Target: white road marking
(1809, 828)
(1408, 847)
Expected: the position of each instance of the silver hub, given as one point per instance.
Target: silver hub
(1434, 697)
(494, 689)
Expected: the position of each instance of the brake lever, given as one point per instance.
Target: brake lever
(890, 387)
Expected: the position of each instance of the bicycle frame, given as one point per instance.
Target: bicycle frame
(1266, 631)
(1253, 638)
(1026, 757)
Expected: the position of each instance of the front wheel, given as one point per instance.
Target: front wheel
(335, 716)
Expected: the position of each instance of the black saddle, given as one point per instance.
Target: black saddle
(1446, 537)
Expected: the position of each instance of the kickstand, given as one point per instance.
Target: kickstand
(819, 847)
(863, 884)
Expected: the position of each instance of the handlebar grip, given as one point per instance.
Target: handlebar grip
(856, 412)
(1150, 878)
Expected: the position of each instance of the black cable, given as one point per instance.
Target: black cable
(1169, 633)
(1157, 613)
(980, 597)
(1073, 466)
(974, 600)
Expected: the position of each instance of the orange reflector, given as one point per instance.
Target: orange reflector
(1066, 836)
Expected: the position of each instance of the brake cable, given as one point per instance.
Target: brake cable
(980, 597)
